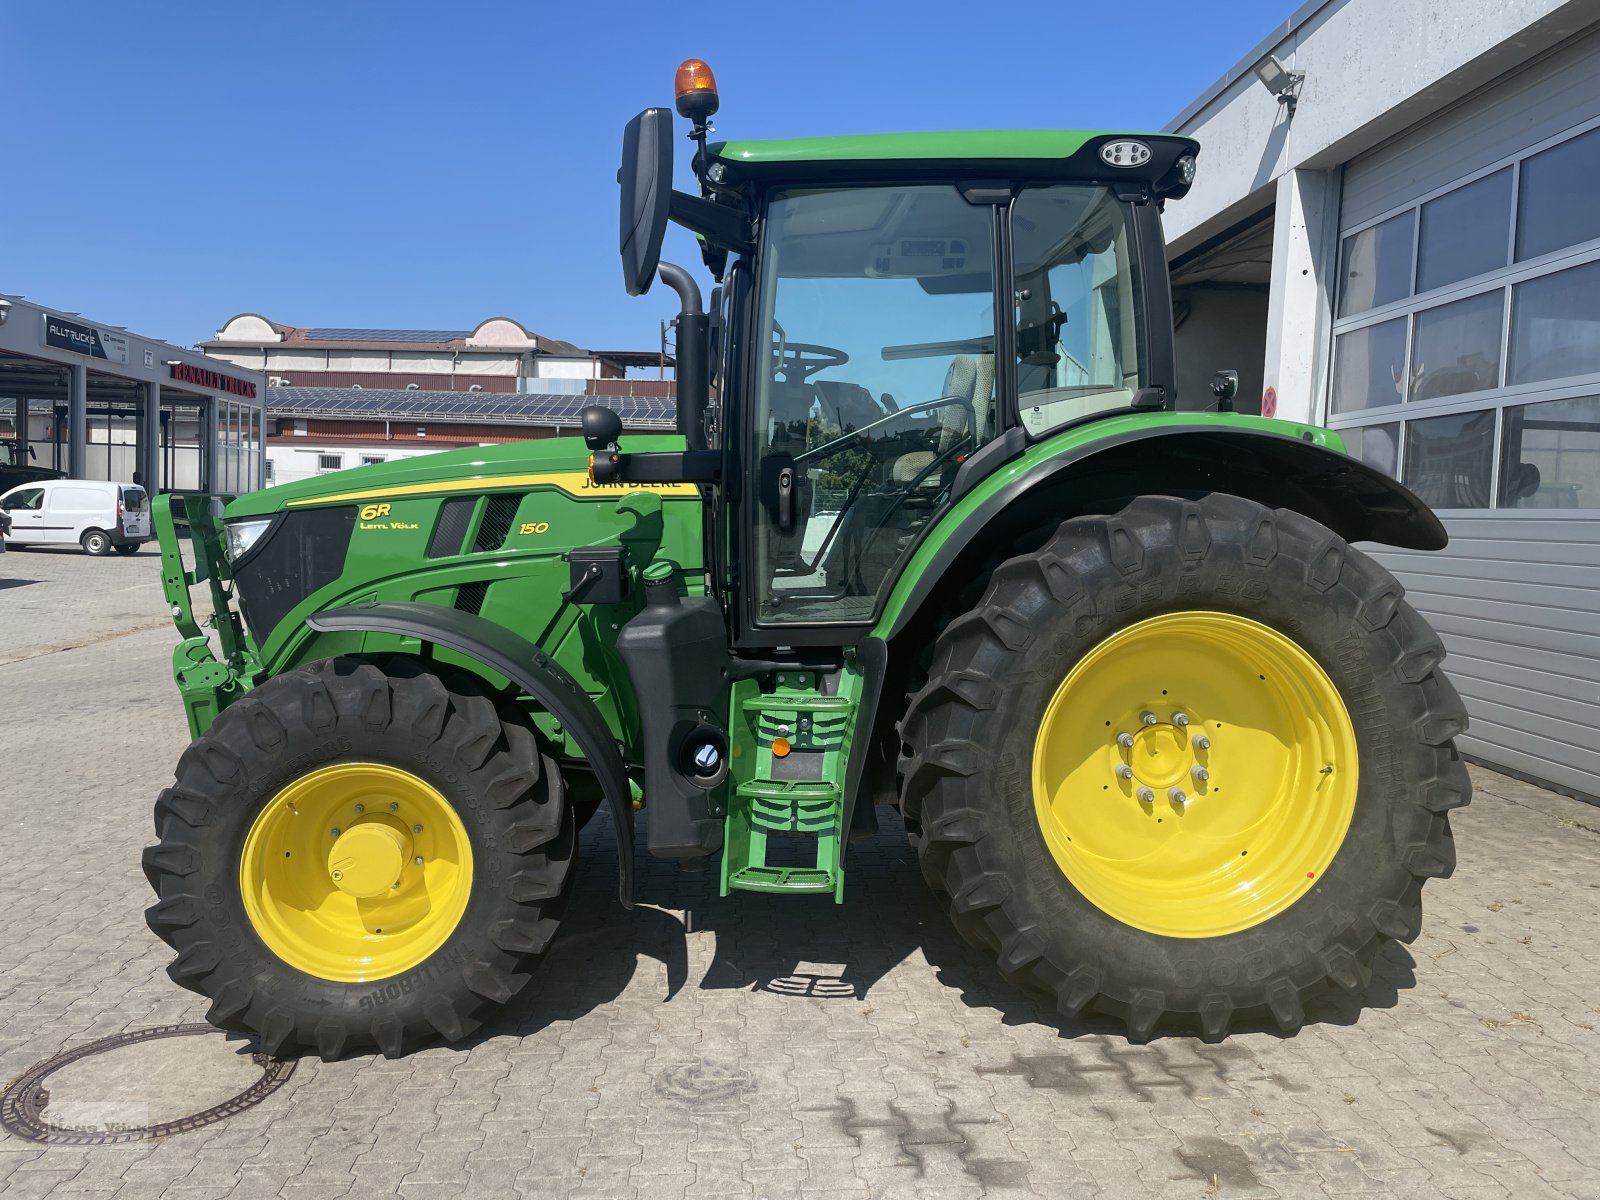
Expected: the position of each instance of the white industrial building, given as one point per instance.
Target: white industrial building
(1395, 231)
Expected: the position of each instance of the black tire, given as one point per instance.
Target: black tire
(507, 794)
(96, 542)
(969, 735)
(127, 549)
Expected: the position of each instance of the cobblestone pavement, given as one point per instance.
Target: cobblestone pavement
(768, 1048)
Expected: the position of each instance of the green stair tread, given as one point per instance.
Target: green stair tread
(782, 879)
(798, 702)
(788, 790)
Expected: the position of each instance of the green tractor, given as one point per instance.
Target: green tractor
(935, 532)
(17, 465)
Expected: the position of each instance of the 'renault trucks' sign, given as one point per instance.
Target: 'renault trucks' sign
(216, 381)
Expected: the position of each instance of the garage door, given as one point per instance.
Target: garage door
(1467, 361)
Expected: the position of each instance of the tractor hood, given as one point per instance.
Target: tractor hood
(562, 462)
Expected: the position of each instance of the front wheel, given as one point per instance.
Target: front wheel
(353, 859)
(1186, 762)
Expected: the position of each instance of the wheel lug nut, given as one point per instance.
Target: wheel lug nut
(361, 808)
(417, 860)
(1176, 795)
(1180, 719)
(1124, 771)
(416, 829)
(1147, 718)
(1200, 774)
(394, 808)
(1146, 796)
(1125, 740)
(333, 832)
(1202, 742)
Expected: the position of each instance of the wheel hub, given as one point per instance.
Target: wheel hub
(366, 860)
(1161, 757)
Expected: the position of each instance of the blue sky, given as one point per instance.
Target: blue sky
(428, 165)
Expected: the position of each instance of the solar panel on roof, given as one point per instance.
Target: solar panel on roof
(333, 334)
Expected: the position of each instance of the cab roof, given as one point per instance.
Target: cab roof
(1039, 153)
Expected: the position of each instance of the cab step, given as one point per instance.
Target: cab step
(789, 754)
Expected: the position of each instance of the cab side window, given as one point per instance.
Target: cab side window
(27, 500)
(1080, 333)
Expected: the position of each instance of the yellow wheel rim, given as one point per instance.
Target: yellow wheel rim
(1195, 774)
(355, 872)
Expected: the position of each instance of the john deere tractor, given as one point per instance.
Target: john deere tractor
(936, 531)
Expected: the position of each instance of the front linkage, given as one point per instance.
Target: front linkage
(207, 684)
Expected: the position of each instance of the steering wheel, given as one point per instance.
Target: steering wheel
(798, 361)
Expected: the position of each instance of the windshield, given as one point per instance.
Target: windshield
(877, 313)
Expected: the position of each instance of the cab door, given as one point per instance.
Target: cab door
(873, 379)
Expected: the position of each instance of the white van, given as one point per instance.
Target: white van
(100, 517)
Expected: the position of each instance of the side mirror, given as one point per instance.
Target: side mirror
(646, 180)
(601, 428)
(1225, 386)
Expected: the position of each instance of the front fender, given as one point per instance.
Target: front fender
(531, 669)
(1271, 462)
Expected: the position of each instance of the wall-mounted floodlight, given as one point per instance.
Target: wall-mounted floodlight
(172, 362)
(1280, 81)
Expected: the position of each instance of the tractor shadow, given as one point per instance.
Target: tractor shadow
(808, 946)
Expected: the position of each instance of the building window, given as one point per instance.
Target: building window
(368, 460)
(1455, 347)
(1377, 446)
(330, 462)
(1551, 455)
(1370, 370)
(1375, 265)
(1555, 207)
(1449, 459)
(1474, 380)
(1555, 325)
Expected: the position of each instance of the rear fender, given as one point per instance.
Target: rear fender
(1237, 455)
(505, 653)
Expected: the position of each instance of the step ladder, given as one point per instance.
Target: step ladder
(790, 750)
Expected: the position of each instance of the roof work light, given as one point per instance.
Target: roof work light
(696, 90)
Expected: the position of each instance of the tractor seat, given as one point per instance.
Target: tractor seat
(970, 379)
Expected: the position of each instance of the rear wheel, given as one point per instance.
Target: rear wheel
(353, 859)
(96, 542)
(1186, 762)
(127, 548)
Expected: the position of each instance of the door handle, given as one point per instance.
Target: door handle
(785, 499)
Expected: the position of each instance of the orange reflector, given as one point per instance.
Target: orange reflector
(780, 747)
(693, 76)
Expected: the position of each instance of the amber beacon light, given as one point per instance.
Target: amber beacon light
(696, 90)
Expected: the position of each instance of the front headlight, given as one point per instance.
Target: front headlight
(242, 535)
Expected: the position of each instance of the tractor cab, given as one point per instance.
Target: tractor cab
(900, 316)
